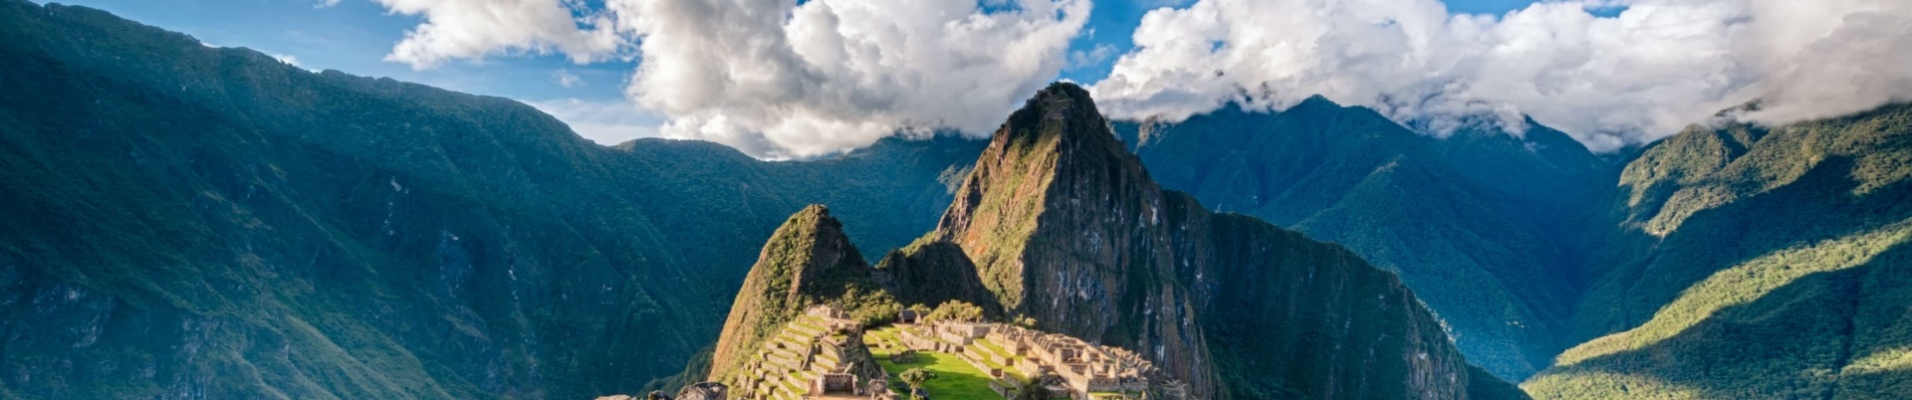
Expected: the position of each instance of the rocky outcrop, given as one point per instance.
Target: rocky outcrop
(931, 272)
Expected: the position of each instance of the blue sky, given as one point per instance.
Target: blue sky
(355, 35)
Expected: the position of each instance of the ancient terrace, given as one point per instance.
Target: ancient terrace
(816, 357)
(1009, 355)
(813, 357)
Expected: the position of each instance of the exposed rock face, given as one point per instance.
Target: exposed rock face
(1289, 317)
(807, 261)
(1470, 221)
(1065, 226)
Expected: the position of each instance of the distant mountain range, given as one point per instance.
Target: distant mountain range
(179, 221)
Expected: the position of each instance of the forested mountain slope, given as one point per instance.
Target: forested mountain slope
(1468, 221)
(1754, 262)
(181, 221)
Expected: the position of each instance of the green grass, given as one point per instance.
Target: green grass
(955, 379)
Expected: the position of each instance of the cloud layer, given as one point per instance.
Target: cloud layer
(1657, 66)
(777, 79)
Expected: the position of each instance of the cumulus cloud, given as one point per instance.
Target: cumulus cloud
(473, 29)
(1632, 78)
(774, 78)
(777, 79)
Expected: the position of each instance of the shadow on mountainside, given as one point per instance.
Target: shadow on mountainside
(1792, 341)
(1819, 205)
(1797, 341)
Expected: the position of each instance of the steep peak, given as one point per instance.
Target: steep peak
(808, 261)
(1062, 109)
(811, 217)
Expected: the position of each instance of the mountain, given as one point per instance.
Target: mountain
(1065, 227)
(1753, 262)
(808, 261)
(179, 221)
(1469, 221)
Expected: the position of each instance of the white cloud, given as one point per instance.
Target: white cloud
(604, 122)
(567, 79)
(325, 3)
(1657, 66)
(473, 29)
(777, 79)
(287, 58)
(774, 78)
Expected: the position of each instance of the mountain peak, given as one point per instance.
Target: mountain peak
(1318, 101)
(808, 261)
(1063, 108)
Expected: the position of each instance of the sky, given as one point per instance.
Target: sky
(791, 79)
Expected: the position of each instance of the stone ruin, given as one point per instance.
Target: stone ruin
(704, 391)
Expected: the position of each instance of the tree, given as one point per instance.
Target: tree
(920, 309)
(914, 377)
(956, 311)
(1032, 390)
(1024, 321)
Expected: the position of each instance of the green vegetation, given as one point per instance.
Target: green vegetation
(1470, 222)
(953, 378)
(1753, 263)
(954, 310)
(915, 377)
(1032, 390)
(176, 218)
(1118, 260)
(809, 261)
(213, 221)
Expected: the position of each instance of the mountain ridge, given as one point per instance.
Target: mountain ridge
(183, 221)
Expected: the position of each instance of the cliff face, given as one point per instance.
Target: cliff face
(1470, 222)
(1290, 317)
(1065, 226)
